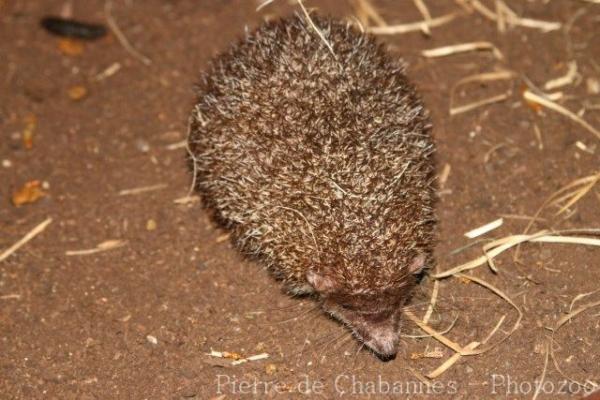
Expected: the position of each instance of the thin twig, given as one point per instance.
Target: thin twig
(530, 96)
(112, 23)
(422, 7)
(316, 29)
(412, 26)
(143, 189)
(33, 233)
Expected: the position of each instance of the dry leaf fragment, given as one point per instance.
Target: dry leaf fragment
(29, 193)
(151, 225)
(77, 92)
(70, 47)
(226, 354)
(30, 125)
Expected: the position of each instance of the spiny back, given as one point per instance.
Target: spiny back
(315, 160)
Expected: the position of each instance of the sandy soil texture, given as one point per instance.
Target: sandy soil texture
(125, 292)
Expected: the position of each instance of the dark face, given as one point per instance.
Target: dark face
(374, 322)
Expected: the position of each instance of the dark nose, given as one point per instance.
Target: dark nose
(386, 357)
(385, 344)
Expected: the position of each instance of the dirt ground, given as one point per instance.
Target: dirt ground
(137, 321)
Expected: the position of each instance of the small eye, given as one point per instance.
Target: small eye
(347, 306)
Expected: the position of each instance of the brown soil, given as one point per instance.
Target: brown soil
(137, 321)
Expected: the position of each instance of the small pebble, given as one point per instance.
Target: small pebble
(7, 163)
(592, 85)
(77, 92)
(151, 225)
(152, 339)
(142, 145)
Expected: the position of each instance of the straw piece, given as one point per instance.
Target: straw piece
(187, 199)
(434, 294)
(573, 314)
(263, 4)
(544, 26)
(579, 297)
(564, 80)
(554, 199)
(503, 296)
(483, 10)
(483, 77)
(543, 377)
(370, 11)
(422, 7)
(143, 189)
(557, 326)
(450, 361)
(30, 235)
(573, 197)
(316, 29)
(435, 334)
(443, 178)
(121, 36)
(482, 230)
(236, 357)
(104, 246)
(471, 348)
(499, 246)
(512, 18)
(472, 106)
(443, 332)
(419, 376)
(178, 145)
(532, 97)
(462, 48)
(257, 357)
(412, 26)
(500, 20)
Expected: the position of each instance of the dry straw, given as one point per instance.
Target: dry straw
(499, 246)
(558, 325)
(365, 11)
(473, 347)
(424, 10)
(104, 246)
(316, 29)
(482, 77)
(508, 17)
(482, 230)
(542, 101)
(564, 80)
(30, 235)
(412, 26)
(143, 189)
(112, 23)
(462, 48)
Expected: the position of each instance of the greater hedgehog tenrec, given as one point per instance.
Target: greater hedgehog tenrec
(320, 162)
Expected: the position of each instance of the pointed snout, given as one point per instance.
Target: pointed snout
(384, 342)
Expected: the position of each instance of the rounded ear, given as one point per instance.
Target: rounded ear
(321, 283)
(417, 265)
